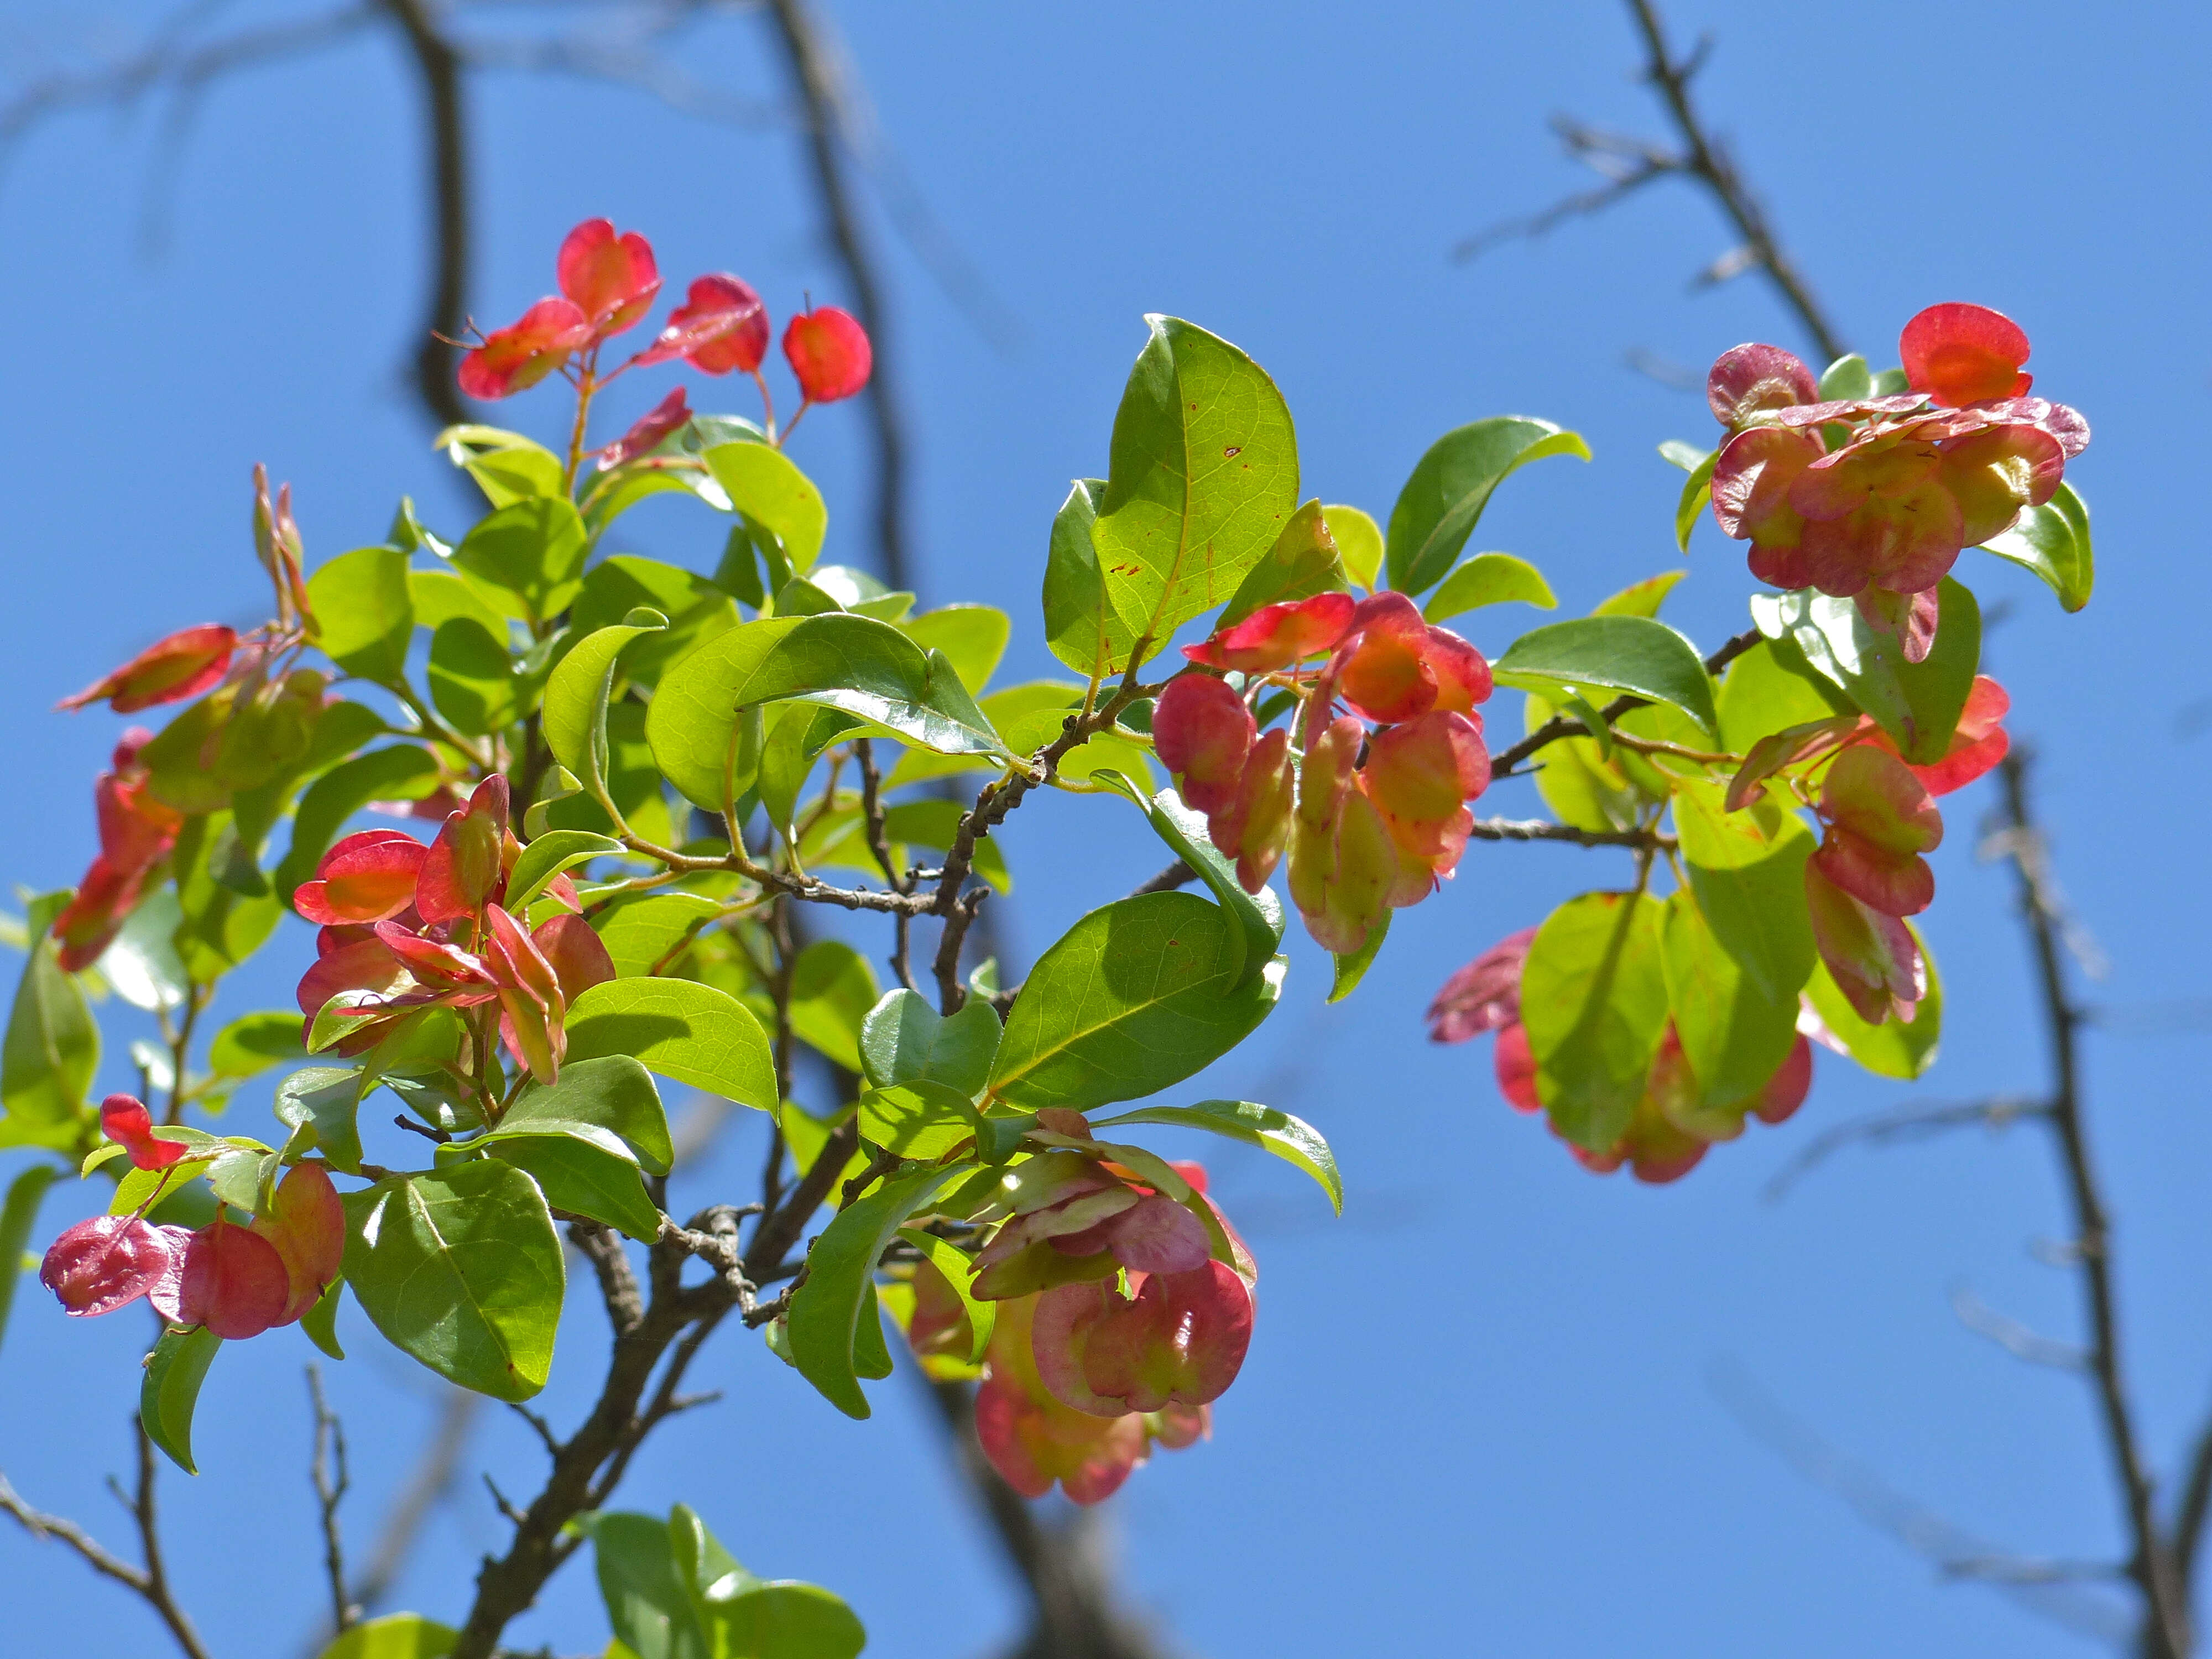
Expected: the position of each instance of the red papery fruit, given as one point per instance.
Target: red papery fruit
(466, 864)
(183, 666)
(611, 279)
(1749, 380)
(137, 832)
(1254, 826)
(89, 924)
(1345, 871)
(1180, 1341)
(1392, 666)
(124, 1119)
(517, 357)
(1978, 744)
(1277, 635)
(1204, 733)
(365, 878)
(577, 954)
(828, 351)
(532, 1007)
(1879, 820)
(1871, 955)
(1963, 354)
(1513, 1061)
(438, 965)
(670, 415)
(1483, 996)
(938, 1329)
(105, 1263)
(1786, 1089)
(1420, 775)
(235, 1282)
(306, 1222)
(720, 326)
(1031, 1439)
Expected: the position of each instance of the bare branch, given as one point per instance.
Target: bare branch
(1907, 1123)
(444, 314)
(328, 1474)
(2014, 1338)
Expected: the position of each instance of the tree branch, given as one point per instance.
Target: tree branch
(439, 66)
(331, 1479)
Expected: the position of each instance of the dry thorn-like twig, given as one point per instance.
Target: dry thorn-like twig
(331, 1478)
(1908, 1123)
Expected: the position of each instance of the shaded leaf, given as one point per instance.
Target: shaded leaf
(1443, 499)
(826, 1308)
(171, 1391)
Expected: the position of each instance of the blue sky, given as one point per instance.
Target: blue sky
(1481, 1412)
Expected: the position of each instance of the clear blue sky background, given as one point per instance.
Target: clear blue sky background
(1480, 1413)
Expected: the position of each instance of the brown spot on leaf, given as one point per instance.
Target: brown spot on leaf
(1232, 452)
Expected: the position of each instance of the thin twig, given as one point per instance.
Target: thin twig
(2014, 1338)
(331, 1478)
(150, 1582)
(1907, 1123)
(1507, 761)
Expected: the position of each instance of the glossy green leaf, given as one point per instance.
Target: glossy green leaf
(461, 1270)
(959, 1272)
(764, 485)
(1622, 653)
(643, 934)
(395, 1636)
(1081, 628)
(1291, 1139)
(507, 466)
(18, 1217)
(832, 990)
(1891, 1049)
(141, 966)
(920, 1121)
(1735, 1033)
(1451, 484)
(2053, 541)
(696, 608)
(1769, 689)
(473, 683)
(548, 856)
(1134, 998)
(1748, 870)
(583, 1177)
(905, 1039)
(826, 1308)
(1594, 1002)
(365, 612)
(532, 549)
(320, 1322)
(1489, 579)
(1697, 494)
(253, 1042)
(796, 735)
(1303, 562)
(1918, 704)
(973, 637)
(785, 1620)
(1848, 378)
(438, 596)
(649, 1605)
(1258, 916)
(1203, 476)
(51, 1049)
(856, 664)
(683, 1030)
(171, 1391)
(1679, 452)
(1358, 542)
(1349, 969)
(576, 696)
(1641, 598)
(403, 772)
(608, 1102)
(327, 1098)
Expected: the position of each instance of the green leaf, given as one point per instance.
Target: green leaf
(1302, 563)
(1735, 1032)
(1489, 579)
(904, 1040)
(683, 1030)
(1623, 653)
(826, 1308)
(506, 465)
(765, 486)
(959, 1272)
(1135, 997)
(1846, 379)
(1748, 870)
(973, 637)
(2053, 541)
(796, 736)
(1594, 1002)
(1769, 689)
(365, 612)
(1889, 1049)
(1918, 704)
(785, 1620)
(1203, 476)
(51, 1049)
(1679, 452)
(1292, 1139)
(395, 1636)
(608, 1102)
(652, 1611)
(1081, 628)
(548, 856)
(439, 596)
(1349, 970)
(461, 1270)
(582, 1177)
(404, 772)
(327, 1098)
(142, 966)
(832, 990)
(920, 1121)
(472, 679)
(642, 933)
(1258, 916)
(866, 667)
(576, 696)
(1641, 598)
(533, 550)
(1358, 542)
(320, 1322)
(1689, 506)
(1450, 485)
(18, 1217)
(253, 1042)
(171, 1391)
(697, 610)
